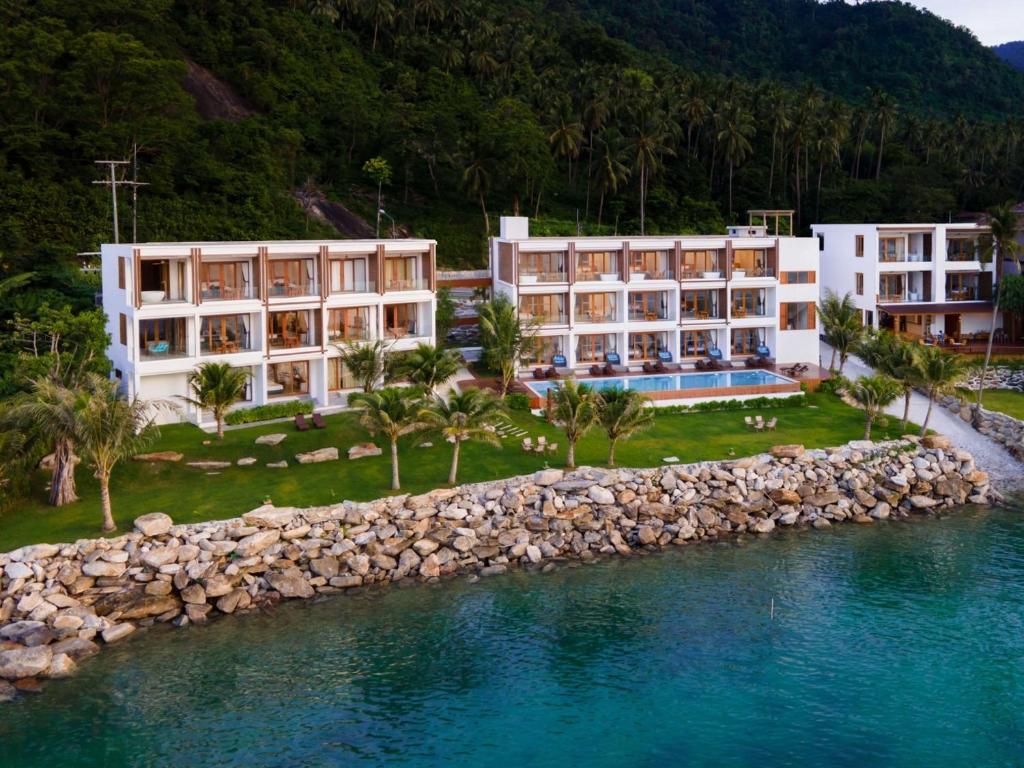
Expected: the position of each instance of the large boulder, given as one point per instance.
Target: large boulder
(363, 450)
(792, 451)
(547, 477)
(290, 583)
(257, 542)
(17, 663)
(153, 524)
(936, 441)
(269, 516)
(317, 456)
(601, 495)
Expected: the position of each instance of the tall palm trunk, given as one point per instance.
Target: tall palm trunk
(395, 484)
(868, 421)
(730, 187)
(771, 173)
(108, 517)
(881, 147)
(908, 392)
(62, 481)
(611, 451)
(928, 414)
(988, 352)
(487, 219)
(570, 456)
(455, 463)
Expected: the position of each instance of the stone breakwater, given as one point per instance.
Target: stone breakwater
(60, 602)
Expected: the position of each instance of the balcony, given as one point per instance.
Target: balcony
(965, 293)
(709, 313)
(650, 316)
(224, 335)
(741, 312)
(163, 281)
(163, 339)
(702, 265)
(650, 265)
(291, 330)
(293, 290)
(366, 286)
(596, 316)
(599, 267)
(408, 272)
(216, 293)
(291, 278)
(750, 263)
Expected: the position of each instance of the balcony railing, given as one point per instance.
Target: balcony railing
(697, 272)
(740, 312)
(595, 317)
(159, 297)
(744, 273)
(411, 328)
(701, 314)
(553, 318)
(362, 286)
(650, 274)
(528, 278)
(223, 347)
(963, 294)
(598, 277)
(647, 315)
(348, 334)
(290, 340)
(162, 350)
(278, 290)
(406, 284)
(228, 294)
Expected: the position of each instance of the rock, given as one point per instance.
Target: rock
(789, 518)
(763, 526)
(197, 614)
(344, 582)
(145, 605)
(823, 499)
(290, 583)
(159, 557)
(922, 502)
(546, 477)
(821, 522)
(257, 542)
(153, 524)
(936, 441)
(880, 511)
(533, 553)
(646, 535)
(601, 495)
(103, 568)
(209, 464)
(363, 450)
(317, 456)
(424, 547)
(30, 633)
(977, 477)
(234, 599)
(430, 568)
(247, 461)
(273, 439)
(16, 663)
(68, 621)
(61, 667)
(783, 496)
(194, 593)
(7, 691)
(791, 451)
(324, 566)
(159, 456)
(277, 464)
(18, 571)
(269, 516)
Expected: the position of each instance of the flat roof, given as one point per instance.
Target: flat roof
(937, 308)
(303, 243)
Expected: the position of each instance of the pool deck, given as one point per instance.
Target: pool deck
(812, 378)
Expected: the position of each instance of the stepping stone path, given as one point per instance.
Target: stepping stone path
(317, 456)
(210, 464)
(671, 459)
(159, 456)
(277, 464)
(248, 461)
(274, 439)
(362, 450)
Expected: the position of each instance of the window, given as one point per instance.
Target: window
(400, 274)
(747, 302)
(593, 348)
(645, 346)
(338, 376)
(592, 265)
(697, 343)
(745, 341)
(648, 306)
(284, 379)
(859, 246)
(595, 308)
(122, 330)
(291, 277)
(859, 280)
(348, 324)
(700, 305)
(546, 267)
(223, 334)
(651, 265)
(696, 263)
(350, 275)
(795, 278)
(163, 337)
(543, 350)
(754, 262)
(400, 320)
(891, 287)
(226, 280)
(544, 308)
(120, 273)
(797, 316)
(290, 329)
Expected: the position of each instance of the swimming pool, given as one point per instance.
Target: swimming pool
(675, 382)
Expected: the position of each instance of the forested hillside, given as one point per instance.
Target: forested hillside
(1011, 53)
(922, 60)
(477, 107)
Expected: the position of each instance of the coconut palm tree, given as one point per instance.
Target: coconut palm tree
(111, 428)
(216, 386)
(566, 139)
(609, 169)
(999, 245)
(429, 366)
(576, 410)
(392, 412)
(476, 181)
(504, 339)
(778, 116)
(368, 363)
(381, 13)
(463, 416)
(49, 414)
(938, 371)
(622, 413)
(736, 127)
(897, 358)
(873, 394)
(885, 109)
(649, 145)
(840, 322)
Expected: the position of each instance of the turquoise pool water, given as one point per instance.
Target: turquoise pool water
(674, 381)
(891, 645)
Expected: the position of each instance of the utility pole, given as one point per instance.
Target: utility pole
(114, 182)
(135, 191)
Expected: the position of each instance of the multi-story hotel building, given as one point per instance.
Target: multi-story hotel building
(275, 309)
(641, 296)
(924, 281)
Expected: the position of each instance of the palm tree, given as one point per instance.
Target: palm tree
(392, 412)
(476, 180)
(368, 363)
(938, 371)
(734, 134)
(622, 413)
(49, 412)
(504, 339)
(873, 394)
(576, 410)
(216, 386)
(897, 358)
(429, 366)
(999, 245)
(110, 429)
(648, 146)
(778, 115)
(464, 416)
(381, 13)
(885, 109)
(326, 9)
(567, 137)
(840, 321)
(609, 170)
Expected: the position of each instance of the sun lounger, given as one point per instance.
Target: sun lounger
(527, 444)
(318, 421)
(772, 422)
(596, 371)
(748, 421)
(300, 423)
(551, 373)
(649, 368)
(538, 373)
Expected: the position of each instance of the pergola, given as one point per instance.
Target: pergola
(775, 222)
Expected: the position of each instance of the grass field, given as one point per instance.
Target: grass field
(188, 494)
(1008, 401)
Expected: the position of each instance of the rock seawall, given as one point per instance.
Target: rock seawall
(1003, 429)
(59, 602)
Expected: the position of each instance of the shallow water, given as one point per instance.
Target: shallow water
(898, 644)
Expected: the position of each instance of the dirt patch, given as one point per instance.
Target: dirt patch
(347, 223)
(215, 99)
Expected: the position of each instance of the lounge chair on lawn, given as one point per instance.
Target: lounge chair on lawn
(553, 447)
(749, 421)
(527, 444)
(318, 421)
(300, 423)
(772, 422)
(759, 423)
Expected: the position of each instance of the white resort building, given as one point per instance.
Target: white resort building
(923, 281)
(274, 308)
(638, 301)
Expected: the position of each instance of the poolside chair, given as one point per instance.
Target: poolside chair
(649, 368)
(527, 444)
(596, 371)
(538, 373)
(612, 358)
(702, 365)
(300, 423)
(749, 421)
(759, 423)
(551, 373)
(772, 422)
(318, 421)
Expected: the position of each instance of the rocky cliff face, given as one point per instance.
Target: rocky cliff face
(59, 601)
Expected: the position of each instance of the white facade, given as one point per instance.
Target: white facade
(276, 309)
(638, 296)
(924, 280)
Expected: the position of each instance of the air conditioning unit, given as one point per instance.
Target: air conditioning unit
(747, 231)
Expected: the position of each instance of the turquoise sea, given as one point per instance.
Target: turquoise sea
(891, 645)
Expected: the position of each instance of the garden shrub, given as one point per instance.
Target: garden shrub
(517, 401)
(267, 412)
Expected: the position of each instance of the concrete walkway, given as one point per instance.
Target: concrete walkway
(1006, 472)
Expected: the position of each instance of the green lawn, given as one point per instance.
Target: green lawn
(1008, 401)
(190, 495)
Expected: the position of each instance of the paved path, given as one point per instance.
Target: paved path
(1006, 472)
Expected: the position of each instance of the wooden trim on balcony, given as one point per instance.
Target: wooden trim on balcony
(380, 268)
(728, 260)
(196, 259)
(570, 266)
(321, 267)
(677, 261)
(432, 277)
(626, 270)
(261, 259)
(137, 276)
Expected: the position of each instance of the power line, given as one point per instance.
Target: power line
(115, 182)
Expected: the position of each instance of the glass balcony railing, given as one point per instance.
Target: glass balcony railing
(528, 278)
(362, 286)
(711, 313)
(966, 293)
(223, 346)
(406, 284)
(647, 315)
(283, 290)
(336, 335)
(583, 316)
(240, 293)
